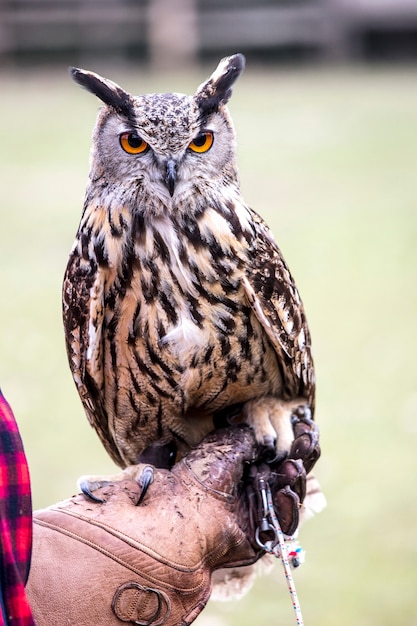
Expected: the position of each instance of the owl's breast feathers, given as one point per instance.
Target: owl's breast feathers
(195, 310)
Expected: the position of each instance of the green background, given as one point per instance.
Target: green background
(329, 158)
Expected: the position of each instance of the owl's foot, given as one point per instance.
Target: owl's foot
(272, 421)
(161, 456)
(89, 484)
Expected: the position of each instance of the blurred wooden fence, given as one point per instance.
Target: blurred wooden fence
(173, 32)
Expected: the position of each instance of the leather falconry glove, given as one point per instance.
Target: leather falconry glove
(150, 564)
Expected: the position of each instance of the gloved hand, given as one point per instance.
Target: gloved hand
(118, 562)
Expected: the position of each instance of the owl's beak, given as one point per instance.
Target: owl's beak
(171, 176)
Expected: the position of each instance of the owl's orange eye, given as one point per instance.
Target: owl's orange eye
(202, 143)
(132, 143)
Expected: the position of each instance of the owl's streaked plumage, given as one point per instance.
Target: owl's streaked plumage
(178, 305)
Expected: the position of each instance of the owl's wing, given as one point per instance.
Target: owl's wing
(276, 302)
(83, 314)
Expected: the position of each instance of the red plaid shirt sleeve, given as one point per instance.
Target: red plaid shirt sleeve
(15, 522)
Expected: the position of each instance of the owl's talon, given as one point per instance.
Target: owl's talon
(279, 457)
(87, 487)
(269, 452)
(271, 457)
(269, 442)
(145, 480)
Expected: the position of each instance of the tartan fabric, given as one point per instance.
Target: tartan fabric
(15, 522)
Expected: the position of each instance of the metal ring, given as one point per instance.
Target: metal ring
(268, 545)
(154, 620)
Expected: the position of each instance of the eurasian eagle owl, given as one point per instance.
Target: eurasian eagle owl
(180, 312)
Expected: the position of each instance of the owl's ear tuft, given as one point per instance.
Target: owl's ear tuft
(216, 91)
(106, 90)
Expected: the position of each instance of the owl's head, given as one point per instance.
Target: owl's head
(164, 143)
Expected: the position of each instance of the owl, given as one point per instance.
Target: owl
(180, 313)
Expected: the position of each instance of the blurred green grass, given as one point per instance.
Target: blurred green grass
(329, 158)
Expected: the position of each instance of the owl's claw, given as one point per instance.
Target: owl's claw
(268, 451)
(89, 484)
(269, 442)
(145, 480)
(270, 455)
(87, 487)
